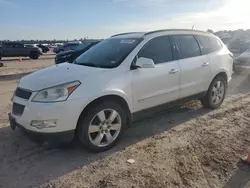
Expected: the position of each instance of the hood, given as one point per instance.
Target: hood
(56, 75)
(65, 53)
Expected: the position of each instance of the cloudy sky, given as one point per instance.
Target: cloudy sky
(70, 19)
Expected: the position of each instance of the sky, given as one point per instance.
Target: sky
(75, 19)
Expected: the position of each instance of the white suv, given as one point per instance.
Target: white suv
(116, 81)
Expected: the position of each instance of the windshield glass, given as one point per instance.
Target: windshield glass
(109, 53)
(82, 46)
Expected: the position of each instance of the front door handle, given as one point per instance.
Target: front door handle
(205, 64)
(173, 71)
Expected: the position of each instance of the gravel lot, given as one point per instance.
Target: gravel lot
(186, 146)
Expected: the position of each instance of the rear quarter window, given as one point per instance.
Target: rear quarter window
(208, 44)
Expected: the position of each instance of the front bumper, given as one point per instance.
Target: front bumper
(51, 138)
(66, 113)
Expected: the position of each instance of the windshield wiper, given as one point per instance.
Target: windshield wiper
(89, 64)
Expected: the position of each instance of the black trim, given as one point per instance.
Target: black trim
(17, 109)
(198, 42)
(23, 93)
(143, 113)
(51, 138)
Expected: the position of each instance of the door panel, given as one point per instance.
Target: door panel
(195, 75)
(155, 86)
(195, 71)
(8, 50)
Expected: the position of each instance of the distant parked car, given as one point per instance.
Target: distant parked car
(71, 55)
(16, 49)
(66, 47)
(44, 49)
(29, 45)
(238, 46)
(242, 63)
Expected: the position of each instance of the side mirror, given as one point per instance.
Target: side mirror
(143, 62)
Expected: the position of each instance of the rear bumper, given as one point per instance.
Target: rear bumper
(41, 137)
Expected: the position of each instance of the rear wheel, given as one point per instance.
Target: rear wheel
(215, 94)
(44, 50)
(34, 55)
(102, 126)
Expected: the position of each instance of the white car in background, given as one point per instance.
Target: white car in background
(118, 81)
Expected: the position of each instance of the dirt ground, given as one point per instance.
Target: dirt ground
(186, 146)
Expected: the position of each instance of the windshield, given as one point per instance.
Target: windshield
(109, 53)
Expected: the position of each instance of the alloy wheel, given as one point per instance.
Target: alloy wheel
(218, 92)
(104, 128)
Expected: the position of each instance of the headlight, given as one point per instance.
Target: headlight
(56, 93)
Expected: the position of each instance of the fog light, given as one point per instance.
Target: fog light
(41, 124)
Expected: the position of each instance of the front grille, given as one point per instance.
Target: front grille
(24, 94)
(17, 109)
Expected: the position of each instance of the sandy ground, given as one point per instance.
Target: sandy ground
(186, 146)
(12, 66)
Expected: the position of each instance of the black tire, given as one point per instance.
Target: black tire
(207, 101)
(34, 55)
(85, 120)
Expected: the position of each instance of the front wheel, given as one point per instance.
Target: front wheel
(34, 55)
(215, 94)
(102, 126)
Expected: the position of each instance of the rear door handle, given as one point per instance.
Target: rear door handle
(173, 71)
(205, 64)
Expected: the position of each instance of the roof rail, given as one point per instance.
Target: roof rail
(125, 34)
(151, 32)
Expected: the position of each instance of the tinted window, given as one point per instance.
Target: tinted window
(18, 45)
(82, 46)
(187, 46)
(8, 45)
(209, 44)
(73, 44)
(109, 53)
(158, 49)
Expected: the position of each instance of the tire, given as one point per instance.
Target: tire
(34, 55)
(100, 132)
(215, 94)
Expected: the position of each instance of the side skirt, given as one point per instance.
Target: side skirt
(144, 113)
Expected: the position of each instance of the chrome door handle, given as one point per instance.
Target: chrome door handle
(205, 64)
(173, 71)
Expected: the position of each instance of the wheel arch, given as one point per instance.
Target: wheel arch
(223, 73)
(112, 97)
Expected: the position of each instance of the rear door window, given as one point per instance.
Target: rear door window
(18, 45)
(208, 44)
(158, 49)
(8, 45)
(187, 46)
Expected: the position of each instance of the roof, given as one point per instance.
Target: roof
(130, 35)
(142, 34)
